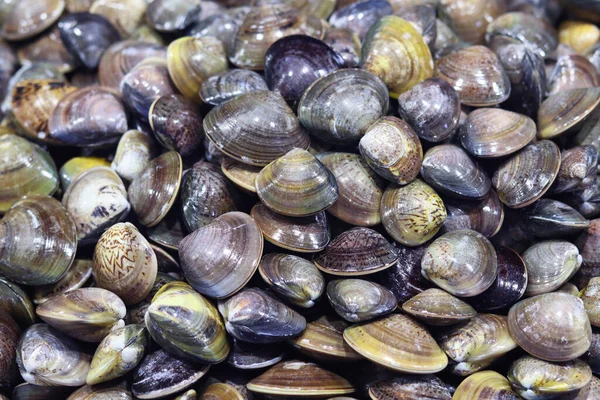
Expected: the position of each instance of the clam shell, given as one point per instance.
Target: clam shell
(75, 277)
(244, 128)
(410, 387)
(297, 184)
(579, 35)
(86, 314)
(221, 257)
(28, 391)
(485, 385)
(187, 325)
(550, 218)
(398, 343)
(423, 18)
(153, 192)
(76, 165)
(125, 16)
(134, 152)
(16, 303)
(169, 232)
(37, 241)
(359, 16)
(527, 175)
(577, 168)
(562, 112)
(572, 71)
(470, 20)
(96, 199)
(358, 300)
(587, 243)
(461, 262)
(538, 325)
(137, 312)
(27, 18)
(485, 216)
(243, 175)
(412, 214)
(392, 149)
(218, 391)
(476, 74)
(222, 87)
(355, 252)
(436, 307)
(255, 317)
(48, 48)
(302, 234)
(249, 356)
(346, 43)
(591, 301)
(323, 340)
(125, 263)
(108, 391)
(9, 336)
(223, 25)
(172, 15)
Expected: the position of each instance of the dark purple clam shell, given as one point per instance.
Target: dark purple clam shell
(484, 216)
(548, 218)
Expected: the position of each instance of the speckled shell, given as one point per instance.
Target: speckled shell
(436, 307)
(572, 71)
(476, 74)
(521, 27)
(218, 259)
(563, 112)
(134, 152)
(412, 214)
(125, 263)
(470, 19)
(591, 300)
(323, 340)
(76, 165)
(16, 303)
(226, 85)
(485, 385)
(578, 168)
(358, 300)
(121, 57)
(75, 277)
(27, 18)
(9, 337)
(392, 149)
(410, 388)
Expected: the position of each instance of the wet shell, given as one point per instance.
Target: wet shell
(393, 150)
(412, 214)
(562, 112)
(358, 300)
(461, 262)
(243, 175)
(37, 241)
(587, 243)
(40, 70)
(527, 175)
(579, 35)
(572, 71)
(346, 43)
(520, 27)
(591, 301)
(9, 336)
(577, 168)
(137, 312)
(302, 234)
(96, 199)
(172, 15)
(436, 307)
(488, 385)
(410, 388)
(549, 265)
(398, 343)
(223, 25)
(76, 165)
(485, 216)
(396, 52)
(423, 18)
(538, 325)
(47, 48)
(125, 16)
(432, 108)
(550, 218)
(219, 258)
(470, 19)
(109, 391)
(297, 184)
(249, 356)
(26, 19)
(86, 314)
(16, 303)
(255, 128)
(47, 357)
(221, 391)
(293, 378)
(477, 76)
(134, 152)
(292, 277)
(124, 263)
(28, 391)
(187, 325)
(75, 277)
(227, 85)
(328, 107)
(25, 169)
(323, 340)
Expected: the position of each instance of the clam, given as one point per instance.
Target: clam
(86, 36)
(161, 374)
(224, 86)
(75, 277)
(33, 102)
(16, 303)
(520, 27)
(172, 15)
(392, 149)
(470, 20)
(302, 234)
(28, 391)
(477, 76)
(475, 345)
(76, 165)
(412, 214)
(346, 43)
(242, 175)
(47, 357)
(187, 325)
(485, 216)
(592, 356)
(323, 340)
(153, 192)
(359, 16)
(328, 107)
(423, 18)
(294, 62)
(432, 108)
(509, 286)
(572, 71)
(488, 385)
(137, 312)
(493, 132)
(591, 300)
(121, 57)
(263, 26)
(398, 343)
(9, 336)
(358, 300)
(294, 278)
(223, 25)
(254, 316)
(26, 19)
(218, 391)
(577, 168)
(297, 184)
(255, 128)
(205, 194)
(37, 241)
(410, 387)
(585, 200)
(580, 35)
(538, 379)
(220, 258)
(86, 314)
(191, 60)
(293, 379)
(436, 307)
(90, 116)
(588, 246)
(112, 391)
(395, 51)
(550, 264)
(249, 356)
(126, 16)
(47, 48)
(461, 262)
(538, 325)
(134, 152)
(25, 169)
(550, 218)
(169, 232)
(96, 199)
(355, 252)
(564, 111)
(534, 168)
(450, 170)
(118, 353)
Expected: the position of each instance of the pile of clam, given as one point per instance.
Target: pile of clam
(299, 199)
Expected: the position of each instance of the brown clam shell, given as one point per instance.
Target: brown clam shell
(323, 340)
(47, 48)
(470, 19)
(27, 18)
(564, 111)
(572, 72)
(485, 216)
(436, 307)
(9, 337)
(243, 175)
